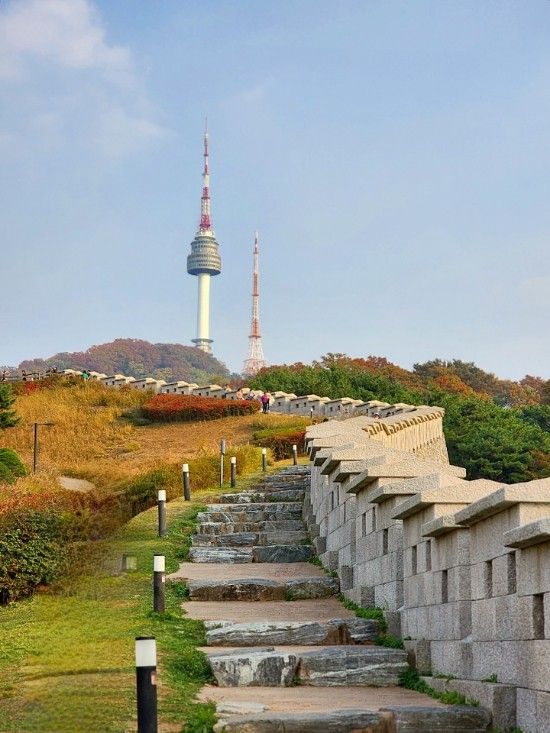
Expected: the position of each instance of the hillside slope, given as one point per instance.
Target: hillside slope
(138, 358)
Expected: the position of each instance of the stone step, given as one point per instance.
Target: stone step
(220, 554)
(330, 666)
(255, 497)
(258, 589)
(405, 719)
(227, 527)
(282, 553)
(249, 539)
(267, 554)
(281, 633)
(334, 721)
(272, 513)
(352, 665)
(263, 506)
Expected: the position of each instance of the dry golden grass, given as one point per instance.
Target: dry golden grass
(92, 439)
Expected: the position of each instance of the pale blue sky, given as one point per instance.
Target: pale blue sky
(394, 156)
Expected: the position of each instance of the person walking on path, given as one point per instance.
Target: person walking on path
(264, 399)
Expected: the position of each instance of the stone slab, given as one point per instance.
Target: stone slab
(342, 666)
(450, 719)
(342, 721)
(323, 609)
(335, 631)
(191, 571)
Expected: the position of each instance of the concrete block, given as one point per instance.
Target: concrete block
(533, 572)
(346, 577)
(499, 699)
(452, 658)
(533, 711)
(419, 655)
(320, 544)
(504, 581)
(458, 583)
(330, 559)
(506, 618)
(388, 596)
(520, 663)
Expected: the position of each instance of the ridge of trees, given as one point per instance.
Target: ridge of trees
(497, 429)
(138, 358)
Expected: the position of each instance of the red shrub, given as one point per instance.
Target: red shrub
(169, 407)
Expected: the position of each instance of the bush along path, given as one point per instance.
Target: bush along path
(277, 635)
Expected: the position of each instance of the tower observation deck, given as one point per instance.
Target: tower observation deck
(204, 260)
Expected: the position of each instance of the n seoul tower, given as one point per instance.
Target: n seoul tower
(204, 260)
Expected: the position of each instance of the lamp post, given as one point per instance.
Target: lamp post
(36, 425)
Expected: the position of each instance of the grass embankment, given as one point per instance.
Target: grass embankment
(66, 657)
(92, 439)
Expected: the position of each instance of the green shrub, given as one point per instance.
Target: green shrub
(33, 550)
(11, 466)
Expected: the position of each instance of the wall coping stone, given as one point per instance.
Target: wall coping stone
(528, 535)
(531, 492)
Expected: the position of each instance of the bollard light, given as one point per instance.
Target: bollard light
(146, 684)
(311, 413)
(36, 425)
(233, 472)
(294, 455)
(159, 583)
(186, 486)
(264, 459)
(222, 454)
(161, 501)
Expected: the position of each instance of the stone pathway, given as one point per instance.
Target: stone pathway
(277, 636)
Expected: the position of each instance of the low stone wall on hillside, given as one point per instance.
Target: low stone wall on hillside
(414, 428)
(461, 568)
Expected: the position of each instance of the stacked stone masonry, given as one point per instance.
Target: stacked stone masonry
(461, 568)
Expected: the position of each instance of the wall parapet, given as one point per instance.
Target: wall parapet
(461, 568)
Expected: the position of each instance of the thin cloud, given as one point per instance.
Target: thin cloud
(58, 72)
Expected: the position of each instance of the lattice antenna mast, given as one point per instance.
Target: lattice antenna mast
(255, 360)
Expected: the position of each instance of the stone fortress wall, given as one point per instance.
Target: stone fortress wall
(461, 568)
(418, 429)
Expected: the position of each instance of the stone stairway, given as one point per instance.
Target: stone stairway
(277, 636)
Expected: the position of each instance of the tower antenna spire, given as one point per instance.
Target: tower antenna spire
(255, 360)
(206, 215)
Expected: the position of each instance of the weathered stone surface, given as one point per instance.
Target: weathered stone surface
(336, 631)
(237, 539)
(255, 497)
(236, 590)
(230, 527)
(272, 512)
(352, 665)
(252, 668)
(239, 708)
(304, 588)
(220, 554)
(451, 719)
(282, 553)
(249, 539)
(249, 507)
(362, 630)
(337, 721)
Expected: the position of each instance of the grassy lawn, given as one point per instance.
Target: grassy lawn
(66, 655)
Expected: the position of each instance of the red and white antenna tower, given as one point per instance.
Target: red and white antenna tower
(255, 360)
